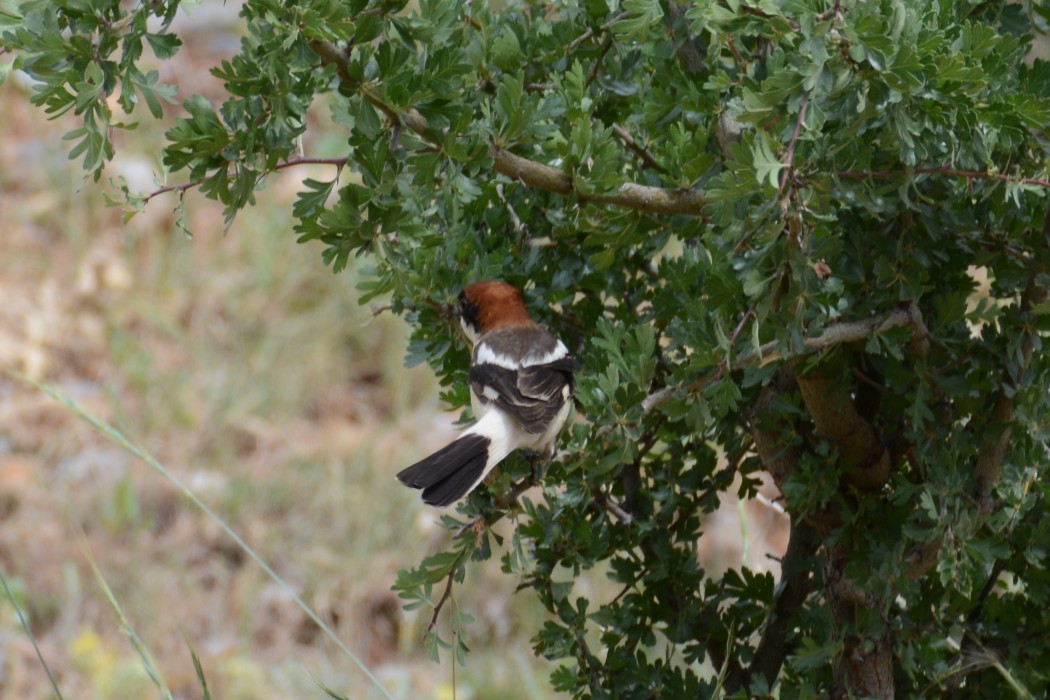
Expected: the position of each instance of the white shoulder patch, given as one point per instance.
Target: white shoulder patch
(557, 353)
(484, 354)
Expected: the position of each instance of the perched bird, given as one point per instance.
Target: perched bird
(521, 386)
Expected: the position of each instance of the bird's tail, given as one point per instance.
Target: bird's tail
(457, 468)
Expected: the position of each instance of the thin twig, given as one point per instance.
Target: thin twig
(606, 502)
(638, 149)
(510, 210)
(571, 46)
(835, 12)
(1005, 249)
(658, 397)
(588, 658)
(441, 602)
(740, 62)
(606, 45)
(789, 157)
(379, 310)
(755, 12)
(183, 187)
(539, 87)
(170, 188)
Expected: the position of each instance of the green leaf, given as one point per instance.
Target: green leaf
(164, 46)
(813, 655)
(506, 50)
(767, 165)
(643, 17)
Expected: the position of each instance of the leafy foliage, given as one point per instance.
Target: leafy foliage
(758, 224)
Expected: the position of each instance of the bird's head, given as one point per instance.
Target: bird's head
(485, 306)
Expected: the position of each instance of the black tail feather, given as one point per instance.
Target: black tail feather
(448, 474)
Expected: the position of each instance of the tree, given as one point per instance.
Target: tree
(757, 223)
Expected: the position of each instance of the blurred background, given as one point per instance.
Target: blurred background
(249, 370)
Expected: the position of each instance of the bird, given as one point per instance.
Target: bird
(521, 387)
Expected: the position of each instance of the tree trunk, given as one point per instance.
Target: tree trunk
(864, 666)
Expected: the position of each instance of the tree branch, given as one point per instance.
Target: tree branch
(331, 56)
(834, 334)
(940, 170)
(922, 558)
(865, 457)
(606, 502)
(182, 187)
(572, 45)
(850, 332)
(795, 585)
(863, 667)
(654, 200)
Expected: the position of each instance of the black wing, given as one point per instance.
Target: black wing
(533, 394)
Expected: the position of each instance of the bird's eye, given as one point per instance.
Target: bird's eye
(468, 313)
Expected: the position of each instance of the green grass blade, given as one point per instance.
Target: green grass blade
(329, 692)
(723, 673)
(205, 693)
(140, 648)
(119, 439)
(29, 633)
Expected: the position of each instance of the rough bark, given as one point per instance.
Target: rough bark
(864, 665)
(866, 459)
(795, 585)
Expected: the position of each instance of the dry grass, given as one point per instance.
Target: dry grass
(248, 370)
